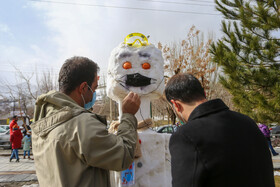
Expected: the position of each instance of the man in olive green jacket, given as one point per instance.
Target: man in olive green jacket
(71, 145)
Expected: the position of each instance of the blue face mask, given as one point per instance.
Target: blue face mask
(91, 103)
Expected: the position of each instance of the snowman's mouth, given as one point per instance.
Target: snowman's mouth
(136, 80)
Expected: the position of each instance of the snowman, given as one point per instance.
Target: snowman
(136, 65)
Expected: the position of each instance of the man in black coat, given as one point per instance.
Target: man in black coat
(215, 147)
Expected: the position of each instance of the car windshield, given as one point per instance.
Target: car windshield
(6, 127)
(2, 130)
(166, 129)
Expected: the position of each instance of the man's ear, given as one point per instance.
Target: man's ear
(82, 87)
(178, 105)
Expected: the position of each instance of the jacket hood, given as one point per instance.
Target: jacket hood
(53, 99)
(51, 110)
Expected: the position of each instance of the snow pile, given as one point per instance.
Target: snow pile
(156, 161)
(140, 70)
(154, 167)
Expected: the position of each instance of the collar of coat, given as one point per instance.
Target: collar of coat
(207, 108)
(61, 109)
(45, 125)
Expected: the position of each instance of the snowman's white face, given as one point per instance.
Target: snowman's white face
(135, 69)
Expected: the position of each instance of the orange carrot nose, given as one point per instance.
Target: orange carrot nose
(146, 65)
(127, 65)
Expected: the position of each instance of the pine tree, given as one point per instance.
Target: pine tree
(249, 56)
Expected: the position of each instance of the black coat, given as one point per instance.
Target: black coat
(220, 148)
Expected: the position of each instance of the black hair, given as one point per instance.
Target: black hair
(185, 88)
(74, 71)
(15, 116)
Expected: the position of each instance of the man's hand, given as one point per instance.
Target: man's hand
(131, 103)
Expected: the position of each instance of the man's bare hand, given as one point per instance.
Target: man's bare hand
(131, 103)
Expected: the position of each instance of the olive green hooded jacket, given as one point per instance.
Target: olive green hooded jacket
(72, 147)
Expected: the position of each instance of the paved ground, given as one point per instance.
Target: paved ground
(14, 174)
(276, 159)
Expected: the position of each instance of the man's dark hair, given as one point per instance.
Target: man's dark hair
(74, 71)
(185, 88)
(14, 117)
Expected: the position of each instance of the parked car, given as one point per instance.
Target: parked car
(167, 129)
(2, 130)
(4, 138)
(6, 127)
(275, 131)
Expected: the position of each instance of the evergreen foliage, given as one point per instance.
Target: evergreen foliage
(249, 56)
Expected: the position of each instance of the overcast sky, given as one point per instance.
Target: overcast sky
(39, 35)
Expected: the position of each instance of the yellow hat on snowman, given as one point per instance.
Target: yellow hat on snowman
(136, 40)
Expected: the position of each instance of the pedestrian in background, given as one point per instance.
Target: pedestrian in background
(13, 123)
(266, 133)
(15, 139)
(26, 129)
(26, 145)
(215, 146)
